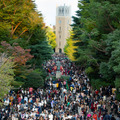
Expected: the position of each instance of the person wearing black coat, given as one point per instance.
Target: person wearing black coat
(113, 118)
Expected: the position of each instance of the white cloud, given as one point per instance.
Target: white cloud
(48, 8)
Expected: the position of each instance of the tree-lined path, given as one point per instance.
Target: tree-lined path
(64, 98)
(36, 84)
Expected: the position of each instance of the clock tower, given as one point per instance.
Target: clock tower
(63, 21)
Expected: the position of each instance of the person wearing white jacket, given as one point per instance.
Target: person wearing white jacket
(50, 116)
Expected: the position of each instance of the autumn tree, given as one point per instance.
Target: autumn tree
(22, 28)
(15, 15)
(20, 55)
(51, 37)
(39, 46)
(69, 48)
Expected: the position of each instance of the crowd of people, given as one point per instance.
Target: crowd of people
(62, 99)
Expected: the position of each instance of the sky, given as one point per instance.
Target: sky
(48, 8)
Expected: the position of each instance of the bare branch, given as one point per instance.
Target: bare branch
(13, 30)
(23, 32)
(99, 49)
(111, 27)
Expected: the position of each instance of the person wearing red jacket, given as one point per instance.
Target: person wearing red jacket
(94, 116)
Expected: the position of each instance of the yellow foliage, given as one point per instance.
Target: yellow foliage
(70, 48)
(35, 19)
(51, 37)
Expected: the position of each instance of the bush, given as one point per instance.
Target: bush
(65, 77)
(89, 70)
(35, 79)
(62, 78)
(117, 82)
(118, 95)
(96, 84)
(53, 78)
(16, 84)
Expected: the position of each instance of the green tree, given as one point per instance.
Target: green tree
(96, 28)
(113, 48)
(6, 76)
(39, 46)
(35, 79)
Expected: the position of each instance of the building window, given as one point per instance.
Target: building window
(60, 36)
(59, 43)
(62, 10)
(60, 28)
(59, 11)
(59, 21)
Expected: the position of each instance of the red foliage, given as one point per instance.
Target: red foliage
(21, 56)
